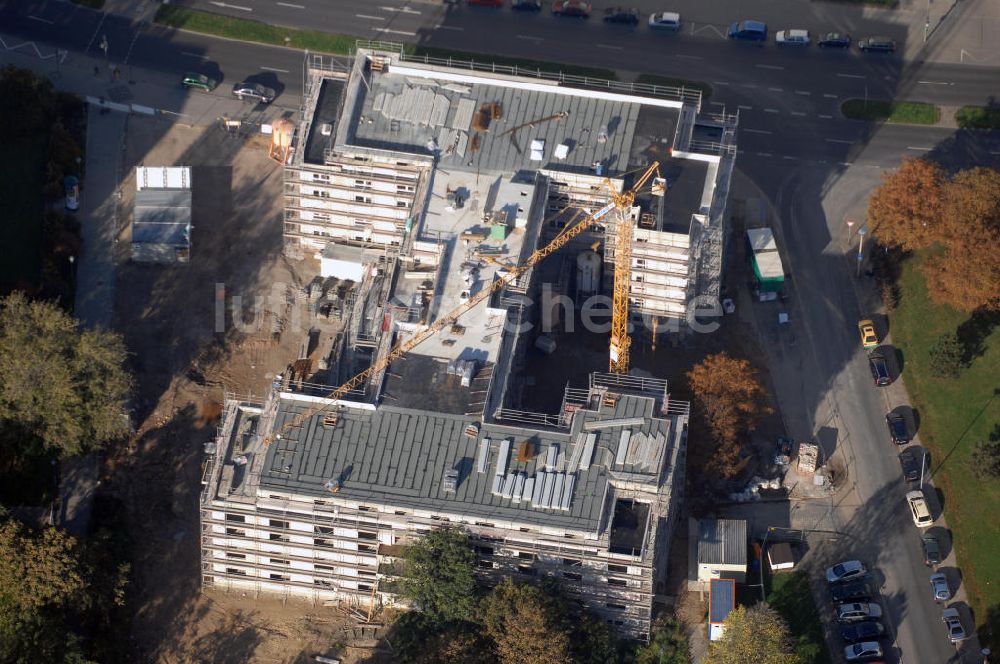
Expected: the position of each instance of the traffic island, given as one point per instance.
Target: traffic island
(893, 112)
(978, 117)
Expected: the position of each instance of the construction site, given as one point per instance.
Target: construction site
(432, 195)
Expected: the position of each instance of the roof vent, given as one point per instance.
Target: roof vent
(450, 483)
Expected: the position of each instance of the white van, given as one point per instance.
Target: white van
(665, 21)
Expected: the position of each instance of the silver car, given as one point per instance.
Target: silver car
(939, 582)
(858, 611)
(953, 622)
(254, 91)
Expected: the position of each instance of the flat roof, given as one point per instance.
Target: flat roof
(484, 123)
(399, 456)
(722, 599)
(722, 541)
(327, 110)
(423, 383)
(162, 177)
(162, 216)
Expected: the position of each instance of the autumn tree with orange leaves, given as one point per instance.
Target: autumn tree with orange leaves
(730, 399)
(905, 211)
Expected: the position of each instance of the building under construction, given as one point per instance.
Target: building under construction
(434, 185)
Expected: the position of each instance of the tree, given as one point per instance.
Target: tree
(731, 400)
(439, 575)
(526, 624)
(947, 356)
(61, 384)
(754, 635)
(667, 644)
(966, 275)
(905, 210)
(985, 459)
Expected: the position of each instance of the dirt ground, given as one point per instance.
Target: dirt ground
(183, 360)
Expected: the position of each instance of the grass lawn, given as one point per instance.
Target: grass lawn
(954, 415)
(978, 117)
(656, 79)
(903, 112)
(22, 176)
(789, 595)
(322, 42)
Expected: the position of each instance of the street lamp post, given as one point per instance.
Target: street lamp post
(104, 47)
(861, 246)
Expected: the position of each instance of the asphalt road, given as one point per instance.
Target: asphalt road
(816, 167)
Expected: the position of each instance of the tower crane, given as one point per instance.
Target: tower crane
(620, 201)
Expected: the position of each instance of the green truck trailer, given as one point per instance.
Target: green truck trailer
(768, 271)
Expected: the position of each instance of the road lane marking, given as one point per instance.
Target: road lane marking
(850, 75)
(919, 149)
(41, 20)
(370, 18)
(935, 83)
(838, 140)
(401, 10)
(788, 156)
(748, 85)
(226, 5)
(396, 32)
(193, 55)
(290, 5)
(756, 131)
(775, 90)
(769, 67)
(803, 92)
(611, 48)
(720, 83)
(717, 103)
(529, 37)
(994, 151)
(829, 96)
(764, 154)
(797, 113)
(450, 27)
(280, 71)
(746, 108)
(771, 110)
(689, 57)
(826, 117)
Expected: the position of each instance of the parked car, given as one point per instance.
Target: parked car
(847, 592)
(253, 91)
(792, 38)
(71, 185)
(665, 21)
(880, 370)
(748, 31)
(932, 550)
(849, 570)
(865, 631)
(956, 632)
(918, 509)
(939, 583)
(897, 428)
(910, 464)
(199, 82)
(526, 5)
(863, 652)
(621, 15)
(869, 338)
(574, 8)
(857, 611)
(834, 40)
(877, 45)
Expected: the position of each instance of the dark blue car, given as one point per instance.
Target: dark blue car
(748, 31)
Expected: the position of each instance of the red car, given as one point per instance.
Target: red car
(575, 8)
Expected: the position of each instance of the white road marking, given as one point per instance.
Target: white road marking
(281, 71)
(611, 48)
(225, 5)
(529, 37)
(775, 90)
(826, 117)
(797, 113)
(829, 96)
(193, 55)
(845, 163)
(40, 19)
(746, 108)
(396, 32)
(290, 5)
(850, 76)
(788, 156)
(401, 10)
(748, 85)
(717, 103)
(769, 67)
(771, 110)
(838, 140)
(994, 151)
(764, 154)
(720, 82)
(919, 149)
(370, 18)
(803, 92)
(756, 131)
(450, 27)
(689, 57)
(935, 83)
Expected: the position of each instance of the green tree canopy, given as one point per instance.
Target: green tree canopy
(526, 624)
(65, 385)
(754, 635)
(439, 575)
(667, 644)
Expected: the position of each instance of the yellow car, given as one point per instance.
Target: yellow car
(869, 339)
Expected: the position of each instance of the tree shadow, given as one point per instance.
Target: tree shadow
(973, 333)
